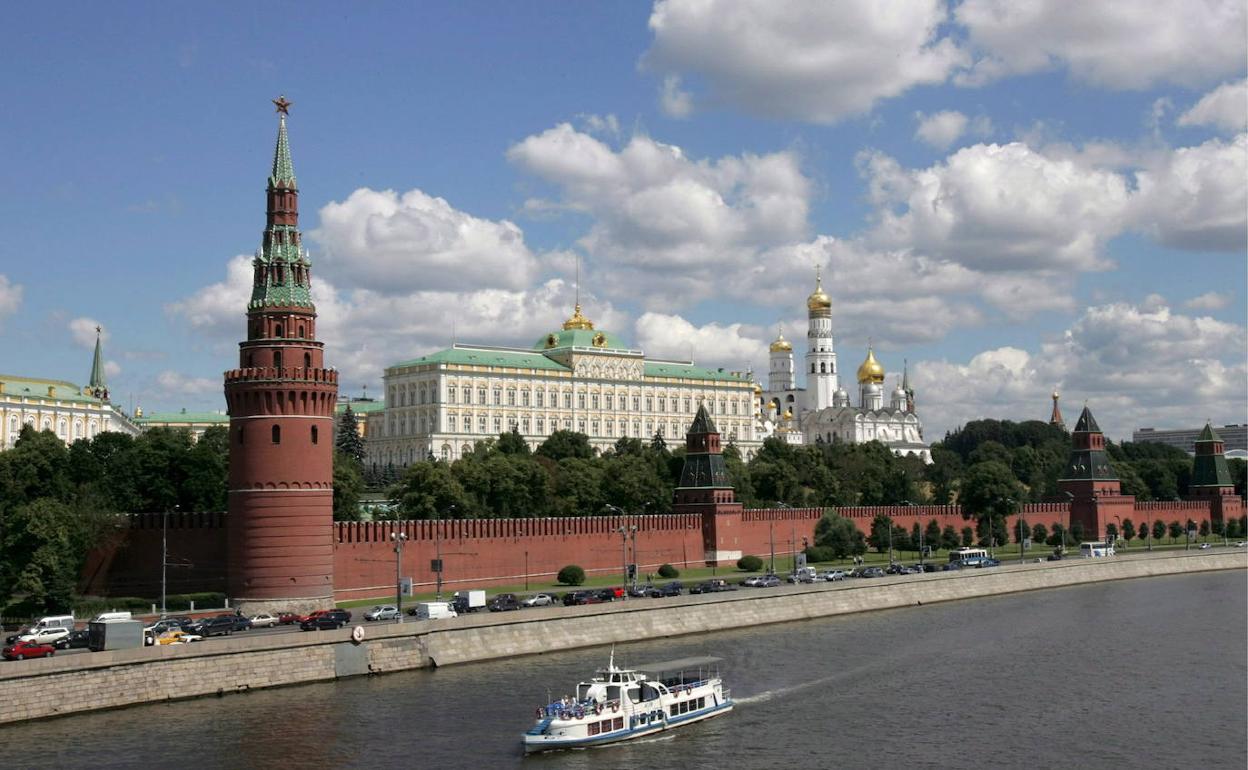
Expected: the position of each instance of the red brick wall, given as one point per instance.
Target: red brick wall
(127, 563)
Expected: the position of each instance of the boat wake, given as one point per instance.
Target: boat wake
(763, 697)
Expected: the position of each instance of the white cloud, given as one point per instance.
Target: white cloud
(1225, 107)
(601, 124)
(173, 384)
(1210, 300)
(83, 332)
(1121, 44)
(111, 369)
(388, 241)
(820, 62)
(940, 129)
(1135, 365)
(674, 100)
(10, 297)
(1195, 197)
(218, 309)
(661, 221)
(732, 346)
(999, 207)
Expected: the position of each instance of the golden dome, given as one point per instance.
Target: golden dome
(781, 345)
(819, 301)
(871, 370)
(578, 321)
(758, 389)
(788, 413)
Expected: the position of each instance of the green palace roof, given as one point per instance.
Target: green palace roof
(467, 356)
(183, 418)
(580, 338)
(361, 407)
(33, 387)
(690, 372)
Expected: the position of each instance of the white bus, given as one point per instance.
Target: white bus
(967, 554)
(1095, 550)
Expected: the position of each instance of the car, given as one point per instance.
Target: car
(953, 566)
(221, 625)
(715, 585)
(45, 635)
(241, 622)
(264, 620)
(503, 603)
(872, 572)
(572, 598)
(640, 590)
(76, 640)
(610, 594)
(538, 600)
(1242, 544)
(988, 563)
(326, 622)
(832, 575)
(167, 624)
(382, 612)
(178, 636)
(289, 618)
(768, 581)
(752, 581)
(674, 588)
(20, 650)
(12, 638)
(1204, 546)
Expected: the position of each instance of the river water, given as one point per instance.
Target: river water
(1141, 673)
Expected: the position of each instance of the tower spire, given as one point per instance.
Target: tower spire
(283, 169)
(1056, 417)
(97, 386)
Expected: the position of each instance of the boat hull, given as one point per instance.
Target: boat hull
(542, 742)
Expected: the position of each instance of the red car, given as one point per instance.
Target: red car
(290, 618)
(23, 650)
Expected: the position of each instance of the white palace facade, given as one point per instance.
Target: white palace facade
(574, 379)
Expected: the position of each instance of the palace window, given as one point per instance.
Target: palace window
(649, 404)
(524, 398)
(422, 394)
(498, 397)
(511, 397)
(567, 423)
(524, 426)
(636, 403)
(610, 398)
(567, 400)
(450, 423)
(539, 396)
(662, 404)
(580, 426)
(480, 395)
(649, 427)
(594, 428)
(498, 424)
(636, 428)
(594, 401)
(734, 407)
(481, 424)
(541, 425)
(580, 400)
(610, 427)
(450, 394)
(686, 405)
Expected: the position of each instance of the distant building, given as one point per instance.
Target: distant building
(194, 422)
(1234, 436)
(70, 411)
(362, 408)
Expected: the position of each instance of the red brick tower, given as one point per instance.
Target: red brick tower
(1211, 479)
(281, 404)
(704, 489)
(1095, 491)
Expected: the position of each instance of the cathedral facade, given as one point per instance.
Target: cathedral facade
(575, 378)
(822, 411)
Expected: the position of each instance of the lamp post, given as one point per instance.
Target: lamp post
(437, 545)
(909, 504)
(164, 557)
(526, 570)
(890, 541)
(771, 529)
(399, 539)
(1018, 527)
(1117, 532)
(624, 532)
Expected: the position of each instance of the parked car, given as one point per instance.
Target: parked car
(77, 639)
(289, 618)
(221, 625)
(640, 590)
(12, 638)
(48, 635)
(29, 649)
(538, 600)
(988, 563)
(241, 622)
(750, 582)
(714, 585)
(1204, 546)
(324, 620)
(674, 588)
(610, 594)
(831, 575)
(382, 612)
(581, 597)
(872, 572)
(504, 603)
(803, 575)
(178, 636)
(264, 620)
(769, 581)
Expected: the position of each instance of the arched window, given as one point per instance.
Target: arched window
(277, 434)
(300, 331)
(823, 368)
(812, 368)
(307, 360)
(277, 330)
(277, 359)
(314, 434)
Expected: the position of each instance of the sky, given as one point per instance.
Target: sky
(1012, 197)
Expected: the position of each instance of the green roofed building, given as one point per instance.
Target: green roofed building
(575, 378)
(194, 422)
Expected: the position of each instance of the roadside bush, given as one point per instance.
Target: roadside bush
(820, 553)
(668, 571)
(750, 563)
(571, 575)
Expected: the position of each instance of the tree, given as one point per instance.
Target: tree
(349, 441)
(1204, 528)
(931, 537)
(668, 571)
(565, 443)
(571, 575)
(348, 484)
(1076, 533)
(749, 564)
(430, 491)
(916, 536)
(968, 537)
(1218, 527)
(1039, 534)
(1058, 536)
(1128, 530)
(1111, 531)
(1159, 530)
(42, 554)
(1021, 530)
(879, 537)
(990, 493)
(839, 535)
(1176, 531)
(512, 443)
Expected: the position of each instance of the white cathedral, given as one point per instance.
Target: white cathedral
(821, 411)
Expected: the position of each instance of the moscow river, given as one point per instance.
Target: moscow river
(1139, 673)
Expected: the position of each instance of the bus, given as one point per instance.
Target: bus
(1095, 550)
(968, 555)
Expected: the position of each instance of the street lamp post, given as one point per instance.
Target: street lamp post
(624, 532)
(526, 570)
(890, 541)
(1018, 527)
(909, 504)
(399, 539)
(164, 558)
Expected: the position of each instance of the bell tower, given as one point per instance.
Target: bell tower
(281, 403)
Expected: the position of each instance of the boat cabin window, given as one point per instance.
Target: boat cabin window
(634, 694)
(582, 691)
(613, 692)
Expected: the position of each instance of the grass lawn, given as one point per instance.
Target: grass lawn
(784, 564)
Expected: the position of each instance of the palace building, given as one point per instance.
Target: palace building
(822, 411)
(576, 378)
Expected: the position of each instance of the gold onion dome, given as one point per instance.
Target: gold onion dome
(781, 345)
(758, 389)
(578, 321)
(819, 300)
(870, 371)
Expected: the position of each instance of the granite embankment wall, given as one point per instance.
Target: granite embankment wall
(86, 682)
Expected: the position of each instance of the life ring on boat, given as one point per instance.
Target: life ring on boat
(564, 715)
(688, 689)
(541, 712)
(597, 708)
(615, 707)
(580, 713)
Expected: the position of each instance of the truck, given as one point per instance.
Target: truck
(468, 601)
(114, 634)
(434, 610)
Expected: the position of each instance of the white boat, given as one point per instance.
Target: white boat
(619, 704)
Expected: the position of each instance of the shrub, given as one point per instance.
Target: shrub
(571, 575)
(750, 563)
(817, 553)
(668, 571)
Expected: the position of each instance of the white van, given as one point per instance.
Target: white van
(105, 617)
(54, 621)
(434, 611)
(1095, 550)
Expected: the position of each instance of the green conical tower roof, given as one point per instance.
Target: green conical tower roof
(283, 168)
(1209, 468)
(1087, 423)
(702, 422)
(97, 386)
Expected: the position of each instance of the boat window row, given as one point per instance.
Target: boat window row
(685, 706)
(606, 725)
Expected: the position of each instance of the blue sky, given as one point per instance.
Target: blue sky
(1012, 197)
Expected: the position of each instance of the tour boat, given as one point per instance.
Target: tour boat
(618, 704)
